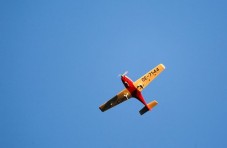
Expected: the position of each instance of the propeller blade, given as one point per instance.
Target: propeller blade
(125, 73)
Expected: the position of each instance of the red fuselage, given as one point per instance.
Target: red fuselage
(128, 83)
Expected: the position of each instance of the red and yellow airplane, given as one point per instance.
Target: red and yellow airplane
(133, 89)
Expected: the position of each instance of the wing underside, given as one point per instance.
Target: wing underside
(119, 98)
(142, 82)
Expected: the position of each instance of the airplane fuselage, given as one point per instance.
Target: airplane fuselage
(128, 83)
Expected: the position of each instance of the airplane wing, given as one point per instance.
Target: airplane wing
(142, 82)
(119, 98)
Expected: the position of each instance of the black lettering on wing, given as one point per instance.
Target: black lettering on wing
(144, 78)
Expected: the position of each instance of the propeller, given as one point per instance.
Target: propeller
(125, 73)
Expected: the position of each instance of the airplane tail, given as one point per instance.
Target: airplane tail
(150, 105)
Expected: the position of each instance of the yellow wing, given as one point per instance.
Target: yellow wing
(119, 98)
(142, 82)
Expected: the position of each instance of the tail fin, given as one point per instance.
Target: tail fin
(150, 105)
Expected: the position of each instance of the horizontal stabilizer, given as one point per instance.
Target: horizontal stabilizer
(150, 105)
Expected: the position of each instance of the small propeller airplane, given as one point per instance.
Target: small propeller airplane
(133, 89)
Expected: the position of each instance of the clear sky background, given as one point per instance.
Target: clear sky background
(60, 61)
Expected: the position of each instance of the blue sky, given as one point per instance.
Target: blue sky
(60, 61)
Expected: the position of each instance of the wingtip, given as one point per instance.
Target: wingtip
(101, 108)
(163, 66)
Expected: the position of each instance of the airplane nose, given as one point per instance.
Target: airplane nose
(122, 77)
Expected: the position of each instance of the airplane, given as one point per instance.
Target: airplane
(133, 89)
